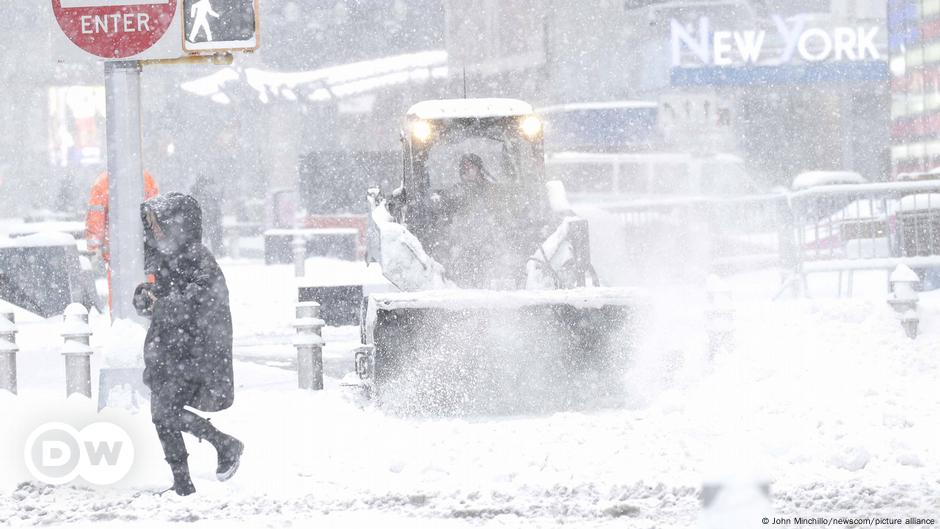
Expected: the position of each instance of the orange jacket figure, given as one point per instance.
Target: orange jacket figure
(96, 220)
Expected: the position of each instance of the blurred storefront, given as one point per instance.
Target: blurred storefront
(914, 27)
(76, 136)
(804, 85)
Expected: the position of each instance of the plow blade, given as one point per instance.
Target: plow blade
(469, 352)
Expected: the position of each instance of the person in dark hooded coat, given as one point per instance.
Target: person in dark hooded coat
(188, 348)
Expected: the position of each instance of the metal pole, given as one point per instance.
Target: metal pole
(125, 183)
(8, 351)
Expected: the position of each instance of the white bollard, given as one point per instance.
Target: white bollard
(233, 248)
(904, 297)
(719, 315)
(299, 248)
(309, 344)
(8, 352)
(77, 350)
(735, 503)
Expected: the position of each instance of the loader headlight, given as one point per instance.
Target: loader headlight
(421, 130)
(531, 126)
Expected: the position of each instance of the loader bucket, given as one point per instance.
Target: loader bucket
(480, 352)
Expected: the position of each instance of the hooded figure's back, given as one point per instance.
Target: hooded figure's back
(190, 335)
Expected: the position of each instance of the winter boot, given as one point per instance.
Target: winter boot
(229, 450)
(182, 484)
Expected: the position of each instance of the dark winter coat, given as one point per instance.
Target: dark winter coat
(190, 335)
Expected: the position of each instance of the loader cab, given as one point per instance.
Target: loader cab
(437, 135)
(449, 214)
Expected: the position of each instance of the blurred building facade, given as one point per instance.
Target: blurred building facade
(784, 110)
(249, 133)
(338, 75)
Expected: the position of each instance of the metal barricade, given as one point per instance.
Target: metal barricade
(833, 228)
(697, 236)
(877, 226)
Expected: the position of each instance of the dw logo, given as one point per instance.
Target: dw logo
(57, 453)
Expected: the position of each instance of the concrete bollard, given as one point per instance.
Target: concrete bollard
(309, 344)
(8, 352)
(904, 297)
(719, 315)
(77, 350)
(299, 248)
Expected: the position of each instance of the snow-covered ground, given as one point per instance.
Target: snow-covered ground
(826, 399)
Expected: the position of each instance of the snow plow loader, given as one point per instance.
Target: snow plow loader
(499, 309)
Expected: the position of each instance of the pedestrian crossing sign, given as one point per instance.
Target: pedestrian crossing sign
(220, 25)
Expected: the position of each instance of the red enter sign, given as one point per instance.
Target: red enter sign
(114, 29)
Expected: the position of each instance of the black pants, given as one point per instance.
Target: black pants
(171, 418)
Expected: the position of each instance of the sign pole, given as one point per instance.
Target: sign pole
(125, 184)
(145, 30)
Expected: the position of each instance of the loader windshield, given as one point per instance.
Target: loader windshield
(511, 161)
(444, 160)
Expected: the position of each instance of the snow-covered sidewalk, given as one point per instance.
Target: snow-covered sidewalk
(826, 399)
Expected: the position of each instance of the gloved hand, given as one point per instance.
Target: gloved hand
(144, 298)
